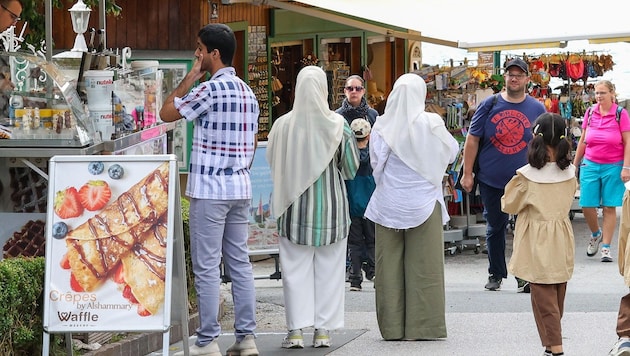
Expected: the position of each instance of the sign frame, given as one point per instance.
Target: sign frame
(108, 308)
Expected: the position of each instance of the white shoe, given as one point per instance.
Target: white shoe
(293, 340)
(246, 347)
(593, 244)
(212, 349)
(606, 257)
(321, 338)
(620, 348)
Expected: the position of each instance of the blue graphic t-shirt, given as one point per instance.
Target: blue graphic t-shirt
(504, 133)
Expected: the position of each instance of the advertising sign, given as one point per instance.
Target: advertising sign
(109, 243)
(262, 222)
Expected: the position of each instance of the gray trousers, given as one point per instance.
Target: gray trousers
(409, 282)
(220, 227)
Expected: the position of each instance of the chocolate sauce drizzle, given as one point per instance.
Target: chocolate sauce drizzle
(124, 201)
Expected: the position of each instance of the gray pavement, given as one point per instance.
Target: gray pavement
(479, 322)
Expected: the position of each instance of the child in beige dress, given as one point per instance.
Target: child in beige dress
(541, 194)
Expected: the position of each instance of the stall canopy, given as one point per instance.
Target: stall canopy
(485, 25)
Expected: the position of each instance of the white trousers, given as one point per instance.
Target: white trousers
(313, 282)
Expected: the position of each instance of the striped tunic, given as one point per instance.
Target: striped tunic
(320, 216)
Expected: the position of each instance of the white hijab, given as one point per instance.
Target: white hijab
(302, 142)
(418, 138)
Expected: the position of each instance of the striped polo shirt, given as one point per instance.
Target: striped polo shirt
(225, 114)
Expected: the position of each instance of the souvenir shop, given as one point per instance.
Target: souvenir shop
(563, 82)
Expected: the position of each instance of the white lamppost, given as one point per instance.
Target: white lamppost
(80, 15)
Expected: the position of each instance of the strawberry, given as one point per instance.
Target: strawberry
(65, 262)
(74, 284)
(128, 294)
(142, 311)
(67, 204)
(95, 194)
(118, 274)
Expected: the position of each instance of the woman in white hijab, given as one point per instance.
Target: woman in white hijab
(311, 151)
(410, 150)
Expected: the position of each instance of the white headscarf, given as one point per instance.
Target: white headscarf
(418, 138)
(302, 142)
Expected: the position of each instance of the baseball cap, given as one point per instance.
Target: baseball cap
(517, 62)
(360, 127)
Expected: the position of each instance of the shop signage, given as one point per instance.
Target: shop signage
(114, 245)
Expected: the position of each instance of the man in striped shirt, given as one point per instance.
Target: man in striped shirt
(225, 114)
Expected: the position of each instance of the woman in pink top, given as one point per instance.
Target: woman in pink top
(603, 158)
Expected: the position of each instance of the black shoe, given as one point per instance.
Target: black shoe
(522, 285)
(494, 283)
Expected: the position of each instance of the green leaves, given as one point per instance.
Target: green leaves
(21, 292)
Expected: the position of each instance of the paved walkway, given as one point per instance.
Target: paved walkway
(479, 322)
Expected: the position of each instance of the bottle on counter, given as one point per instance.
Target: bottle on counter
(36, 118)
(15, 102)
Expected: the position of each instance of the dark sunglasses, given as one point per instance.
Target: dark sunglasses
(351, 88)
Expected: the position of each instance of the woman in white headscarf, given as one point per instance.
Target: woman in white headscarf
(311, 151)
(410, 150)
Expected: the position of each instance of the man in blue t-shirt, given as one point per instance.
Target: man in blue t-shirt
(499, 133)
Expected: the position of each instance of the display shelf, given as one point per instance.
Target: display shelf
(42, 87)
(258, 75)
(340, 72)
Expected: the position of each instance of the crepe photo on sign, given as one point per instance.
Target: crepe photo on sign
(123, 242)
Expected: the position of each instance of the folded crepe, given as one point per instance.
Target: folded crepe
(144, 269)
(96, 246)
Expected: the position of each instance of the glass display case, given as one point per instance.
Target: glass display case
(41, 107)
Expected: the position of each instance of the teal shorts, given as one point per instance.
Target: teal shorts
(601, 184)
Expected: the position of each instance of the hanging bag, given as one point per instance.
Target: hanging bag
(575, 67)
(276, 84)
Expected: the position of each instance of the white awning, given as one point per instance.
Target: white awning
(480, 24)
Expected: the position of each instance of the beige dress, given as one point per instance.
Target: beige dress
(544, 248)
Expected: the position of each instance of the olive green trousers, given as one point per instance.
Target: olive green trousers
(409, 281)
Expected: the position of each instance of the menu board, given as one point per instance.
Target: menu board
(109, 243)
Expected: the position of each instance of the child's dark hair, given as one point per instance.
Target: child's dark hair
(549, 130)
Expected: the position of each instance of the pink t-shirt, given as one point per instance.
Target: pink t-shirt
(604, 143)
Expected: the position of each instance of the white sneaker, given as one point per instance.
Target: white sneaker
(321, 338)
(246, 347)
(606, 257)
(593, 244)
(212, 349)
(620, 348)
(293, 340)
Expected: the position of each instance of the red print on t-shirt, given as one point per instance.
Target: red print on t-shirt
(510, 131)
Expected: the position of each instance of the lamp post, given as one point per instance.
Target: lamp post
(80, 15)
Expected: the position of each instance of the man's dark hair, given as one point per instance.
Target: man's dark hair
(221, 37)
